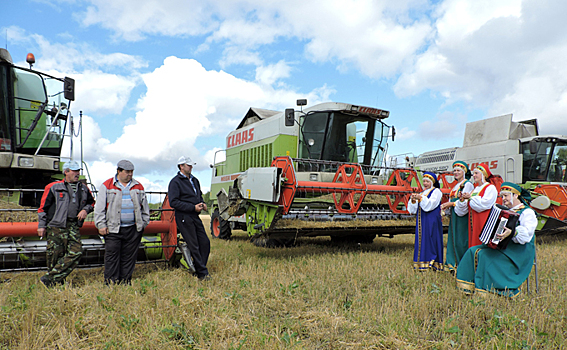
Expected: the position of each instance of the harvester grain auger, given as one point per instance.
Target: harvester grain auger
(21, 249)
(279, 207)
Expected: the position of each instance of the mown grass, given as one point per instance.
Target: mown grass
(314, 296)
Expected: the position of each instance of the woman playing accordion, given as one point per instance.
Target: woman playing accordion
(502, 271)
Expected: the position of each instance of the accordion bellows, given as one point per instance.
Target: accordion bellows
(500, 217)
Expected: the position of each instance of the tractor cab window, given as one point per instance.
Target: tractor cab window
(29, 93)
(341, 143)
(548, 164)
(5, 138)
(558, 164)
(313, 135)
(535, 164)
(338, 137)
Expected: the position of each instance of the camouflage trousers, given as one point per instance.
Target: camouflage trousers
(64, 250)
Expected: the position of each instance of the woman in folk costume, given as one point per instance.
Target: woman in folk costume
(428, 252)
(478, 202)
(458, 237)
(484, 269)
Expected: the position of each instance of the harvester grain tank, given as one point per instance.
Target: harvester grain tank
(518, 153)
(316, 171)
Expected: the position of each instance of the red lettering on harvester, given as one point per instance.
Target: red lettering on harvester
(494, 164)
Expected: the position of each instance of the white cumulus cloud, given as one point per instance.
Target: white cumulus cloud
(185, 102)
(501, 56)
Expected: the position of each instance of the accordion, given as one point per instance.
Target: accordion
(500, 217)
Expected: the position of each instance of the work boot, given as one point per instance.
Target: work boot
(207, 277)
(46, 281)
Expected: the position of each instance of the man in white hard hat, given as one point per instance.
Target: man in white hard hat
(64, 206)
(186, 198)
(121, 214)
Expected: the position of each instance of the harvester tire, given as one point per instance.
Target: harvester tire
(220, 228)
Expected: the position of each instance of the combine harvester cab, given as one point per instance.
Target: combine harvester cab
(314, 172)
(35, 119)
(516, 152)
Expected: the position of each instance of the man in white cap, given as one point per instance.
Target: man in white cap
(121, 214)
(64, 206)
(186, 198)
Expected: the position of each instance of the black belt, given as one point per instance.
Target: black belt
(72, 220)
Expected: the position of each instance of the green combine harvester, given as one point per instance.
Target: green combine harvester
(318, 171)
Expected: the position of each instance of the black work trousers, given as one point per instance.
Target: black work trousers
(120, 252)
(194, 234)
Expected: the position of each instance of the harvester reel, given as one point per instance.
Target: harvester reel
(402, 177)
(353, 197)
(289, 181)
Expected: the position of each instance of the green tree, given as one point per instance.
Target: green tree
(208, 200)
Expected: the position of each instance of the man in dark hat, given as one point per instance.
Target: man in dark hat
(121, 214)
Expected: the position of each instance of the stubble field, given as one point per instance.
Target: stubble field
(313, 296)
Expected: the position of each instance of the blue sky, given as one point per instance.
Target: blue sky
(157, 79)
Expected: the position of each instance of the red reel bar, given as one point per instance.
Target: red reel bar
(29, 229)
(350, 188)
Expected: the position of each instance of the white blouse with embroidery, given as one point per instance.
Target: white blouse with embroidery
(528, 223)
(426, 204)
(477, 202)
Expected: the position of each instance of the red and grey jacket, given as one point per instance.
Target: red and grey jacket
(52, 211)
(109, 204)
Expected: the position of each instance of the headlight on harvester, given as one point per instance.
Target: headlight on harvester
(26, 162)
(56, 165)
(312, 177)
(374, 180)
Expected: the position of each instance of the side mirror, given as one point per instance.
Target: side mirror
(69, 89)
(289, 117)
(393, 133)
(533, 147)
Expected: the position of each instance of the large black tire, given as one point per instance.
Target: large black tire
(366, 238)
(220, 228)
